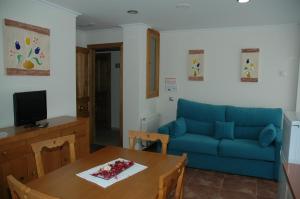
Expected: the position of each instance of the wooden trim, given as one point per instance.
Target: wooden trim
(250, 50)
(37, 29)
(191, 52)
(82, 50)
(245, 79)
(121, 96)
(155, 93)
(105, 45)
(21, 72)
(196, 78)
(94, 47)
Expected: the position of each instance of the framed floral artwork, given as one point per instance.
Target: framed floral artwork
(249, 65)
(26, 49)
(196, 65)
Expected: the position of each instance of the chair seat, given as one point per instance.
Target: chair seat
(246, 149)
(195, 143)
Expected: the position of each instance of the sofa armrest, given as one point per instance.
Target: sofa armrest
(278, 139)
(165, 129)
(277, 144)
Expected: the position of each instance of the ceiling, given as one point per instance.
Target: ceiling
(163, 14)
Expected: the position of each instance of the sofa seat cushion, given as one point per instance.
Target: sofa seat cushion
(194, 143)
(246, 149)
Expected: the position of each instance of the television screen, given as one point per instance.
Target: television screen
(30, 107)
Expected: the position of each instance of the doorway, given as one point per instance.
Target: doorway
(107, 94)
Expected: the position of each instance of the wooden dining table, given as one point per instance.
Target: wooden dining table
(64, 183)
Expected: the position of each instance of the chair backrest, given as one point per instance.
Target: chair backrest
(173, 179)
(134, 135)
(21, 191)
(52, 143)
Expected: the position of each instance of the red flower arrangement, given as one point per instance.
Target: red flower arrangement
(112, 170)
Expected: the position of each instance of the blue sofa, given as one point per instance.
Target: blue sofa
(242, 155)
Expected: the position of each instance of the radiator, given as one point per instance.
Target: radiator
(150, 123)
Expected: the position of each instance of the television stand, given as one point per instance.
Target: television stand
(42, 124)
(17, 157)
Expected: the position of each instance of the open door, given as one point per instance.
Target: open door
(95, 51)
(84, 83)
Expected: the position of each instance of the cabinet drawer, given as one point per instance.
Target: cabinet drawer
(43, 137)
(13, 150)
(79, 131)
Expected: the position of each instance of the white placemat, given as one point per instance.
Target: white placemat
(135, 168)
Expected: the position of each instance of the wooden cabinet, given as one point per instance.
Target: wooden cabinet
(17, 158)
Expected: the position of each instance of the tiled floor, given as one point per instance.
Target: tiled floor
(106, 137)
(200, 184)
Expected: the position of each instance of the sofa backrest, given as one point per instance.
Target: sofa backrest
(200, 118)
(250, 121)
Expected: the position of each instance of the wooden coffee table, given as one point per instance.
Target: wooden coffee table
(64, 183)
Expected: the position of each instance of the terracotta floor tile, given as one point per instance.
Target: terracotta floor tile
(202, 184)
(201, 192)
(240, 184)
(206, 178)
(241, 178)
(235, 195)
(267, 188)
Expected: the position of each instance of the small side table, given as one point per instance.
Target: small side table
(292, 173)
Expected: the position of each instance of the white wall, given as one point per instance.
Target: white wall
(99, 36)
(279, 53)
(81, 39)
(61, 84)
(298, 92)
(115, 89)
(135, 104)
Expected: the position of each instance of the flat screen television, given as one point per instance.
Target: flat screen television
(30, 107)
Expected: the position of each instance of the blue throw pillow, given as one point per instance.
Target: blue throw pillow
(267, 135)
(224, 130)
(179, 127)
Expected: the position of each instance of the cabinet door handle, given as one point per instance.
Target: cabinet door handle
(4, 153)
(21, 178)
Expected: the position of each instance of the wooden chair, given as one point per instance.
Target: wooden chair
(52, 143)
(21, 191)
(134, 135)
(173, 179)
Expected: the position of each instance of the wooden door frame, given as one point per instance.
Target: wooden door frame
(108, 46)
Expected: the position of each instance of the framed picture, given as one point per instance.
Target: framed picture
(249, 65)
(26, 49)
(196, 65)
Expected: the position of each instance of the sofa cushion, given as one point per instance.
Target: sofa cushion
(259, 117)
(267, 135)
(200, 112)
(179, 128)
(246, 149)
(202, 128)
(224, 130)
(194, 143)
